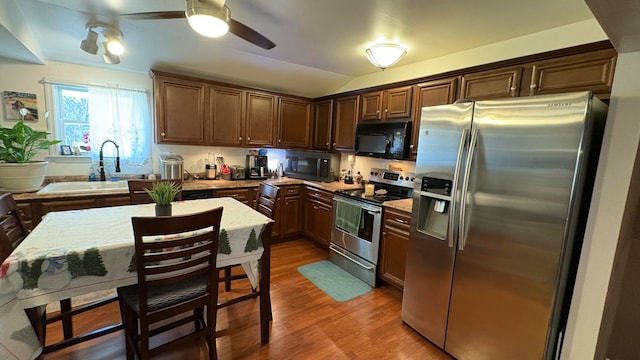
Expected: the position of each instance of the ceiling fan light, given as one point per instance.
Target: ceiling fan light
(109, 57)
(90, 44)
(114, 46)
(385, 54)
(206, 19)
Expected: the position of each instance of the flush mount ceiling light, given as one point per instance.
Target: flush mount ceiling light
(113, 46)
(208, 18)
(385, 53)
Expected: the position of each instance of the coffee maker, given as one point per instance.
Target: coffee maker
(257, 167)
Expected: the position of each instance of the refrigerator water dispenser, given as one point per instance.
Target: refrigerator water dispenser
(433, 213)
(433, 217)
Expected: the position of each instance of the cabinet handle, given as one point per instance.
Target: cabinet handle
(327, 144)
(411, 146)
(315, 208)
(533, 86)
(334, 144)
(279, 140)
(240, 138)
(401, 221)
(532, 89)
(377, 111)
(248, 138)
(162, 134)
(513, 88)
(386, 110)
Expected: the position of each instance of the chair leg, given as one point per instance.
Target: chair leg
(67, 323)
(211, 339)
(227, 279)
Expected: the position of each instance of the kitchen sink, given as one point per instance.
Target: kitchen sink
(79, 186)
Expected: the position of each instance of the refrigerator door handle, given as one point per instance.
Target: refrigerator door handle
(454, 187)
(465, 187)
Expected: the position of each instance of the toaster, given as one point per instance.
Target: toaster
(238, 172)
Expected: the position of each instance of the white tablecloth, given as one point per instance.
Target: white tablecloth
(77, 252)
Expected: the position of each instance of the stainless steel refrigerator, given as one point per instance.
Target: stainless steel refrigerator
(499, 209)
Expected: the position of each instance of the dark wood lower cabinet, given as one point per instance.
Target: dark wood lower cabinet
(318, 216)
(393, 246)
(34, 210)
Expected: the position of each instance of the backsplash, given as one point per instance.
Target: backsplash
(364, 164)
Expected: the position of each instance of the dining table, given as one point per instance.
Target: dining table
(79, 252)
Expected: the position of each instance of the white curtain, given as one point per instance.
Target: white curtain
(122, 116)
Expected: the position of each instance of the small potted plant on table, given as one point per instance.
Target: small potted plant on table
(162, 194)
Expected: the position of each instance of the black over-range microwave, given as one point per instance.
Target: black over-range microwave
(388, 140)
(312, 165)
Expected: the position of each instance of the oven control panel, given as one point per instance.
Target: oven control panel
(393, 177)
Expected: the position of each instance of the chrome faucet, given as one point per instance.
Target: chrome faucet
(101, 165)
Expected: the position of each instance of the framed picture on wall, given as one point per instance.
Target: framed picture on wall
(20, 106)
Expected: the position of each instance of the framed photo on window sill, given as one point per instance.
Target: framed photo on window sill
(65, 150)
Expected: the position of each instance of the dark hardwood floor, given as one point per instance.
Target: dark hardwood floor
(307, 324)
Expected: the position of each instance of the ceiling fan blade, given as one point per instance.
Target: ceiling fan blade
(155, 15)
(243, 31)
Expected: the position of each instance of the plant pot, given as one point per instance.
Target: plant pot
(22, 177)
(163, 210)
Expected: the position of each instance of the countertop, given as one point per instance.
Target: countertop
(402, 205)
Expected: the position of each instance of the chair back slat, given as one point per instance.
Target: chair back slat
(138, 195)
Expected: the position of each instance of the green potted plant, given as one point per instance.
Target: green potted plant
(162, 194)
(18, 146)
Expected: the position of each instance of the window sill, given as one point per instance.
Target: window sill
(68, 158)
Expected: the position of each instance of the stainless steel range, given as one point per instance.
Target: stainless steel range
(357, 220)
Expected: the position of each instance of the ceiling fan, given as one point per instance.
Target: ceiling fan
(209, 18)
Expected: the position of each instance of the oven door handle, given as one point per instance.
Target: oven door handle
(372, 210)
(339, 251)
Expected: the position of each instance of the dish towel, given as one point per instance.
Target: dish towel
(348, 216)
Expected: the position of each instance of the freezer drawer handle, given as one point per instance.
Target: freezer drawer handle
(339, 252)
(454, 187)
(465, 187)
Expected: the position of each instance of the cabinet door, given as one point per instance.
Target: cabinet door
(226, 115)
(180, 111)
(28, 216)
(584, 72)
(324, 219)
(323, 116)
(62, 205)
(260, 119)
(397, 103)
(344, 125)
(294, 123)
(371, 106)
(492, 84)
(393, 246)
(308, 219)
(291, 215)
(438, 92)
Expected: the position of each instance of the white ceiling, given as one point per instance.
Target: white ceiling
(319, 44)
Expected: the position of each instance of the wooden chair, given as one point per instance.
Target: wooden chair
(13, 231)
(265, 204)
(138, 195)
(176, 276)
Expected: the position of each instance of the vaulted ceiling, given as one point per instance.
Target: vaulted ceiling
(319, 44)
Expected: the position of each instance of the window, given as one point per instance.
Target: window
(86, 116)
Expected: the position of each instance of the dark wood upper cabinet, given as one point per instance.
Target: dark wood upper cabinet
(226, 116)
(437, 92)
(491, 84)
(344, 123)
(180, 111)
(386, 104)
(260, 119)
(294, 123)
(322, 124)
(583, 72)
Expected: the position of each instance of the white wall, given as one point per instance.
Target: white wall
(612, 184)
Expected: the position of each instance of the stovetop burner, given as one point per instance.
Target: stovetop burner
(398, 185)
